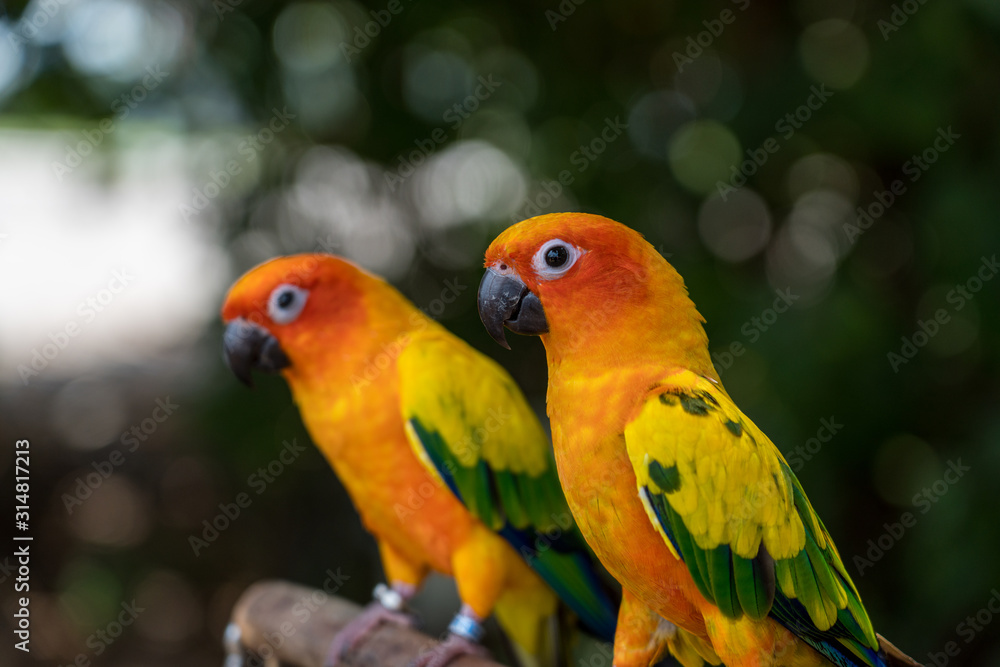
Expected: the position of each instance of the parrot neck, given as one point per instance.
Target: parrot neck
(350, 357)
(655, 329)
(601, 372)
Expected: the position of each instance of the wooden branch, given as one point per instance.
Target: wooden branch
(285, 623)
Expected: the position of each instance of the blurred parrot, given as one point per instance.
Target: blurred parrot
(444, 460)
(685, 501)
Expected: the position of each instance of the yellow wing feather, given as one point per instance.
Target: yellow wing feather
(472, 403)
(737, 493)
(711, 481)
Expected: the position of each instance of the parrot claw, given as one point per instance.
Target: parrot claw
(360, 627)
(451, 648)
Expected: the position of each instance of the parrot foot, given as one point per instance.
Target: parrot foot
(365, 623)
(451, 648)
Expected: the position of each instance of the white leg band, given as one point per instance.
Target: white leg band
(466, 627)
(389, 598)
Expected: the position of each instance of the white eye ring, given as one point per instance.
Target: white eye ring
(286, 302)
(541, 261)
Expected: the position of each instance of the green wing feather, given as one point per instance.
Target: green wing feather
(728, 505)
(471, 427)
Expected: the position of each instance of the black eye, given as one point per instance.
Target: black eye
(286, 302)
(556, 256)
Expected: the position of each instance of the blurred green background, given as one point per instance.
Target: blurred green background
(150, 152)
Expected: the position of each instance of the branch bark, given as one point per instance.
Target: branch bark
(285, 623)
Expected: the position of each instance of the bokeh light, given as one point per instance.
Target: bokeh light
(835, 52)
(701, 154)
(469, 182)
(735, 228)
(307, 37)
(655, 117)
(89, 413)
(11, 63)
(117, 514)
(119, 39)
(174, 611)
(822, 171)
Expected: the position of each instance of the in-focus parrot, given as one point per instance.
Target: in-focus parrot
(685, 501)
(403, 409)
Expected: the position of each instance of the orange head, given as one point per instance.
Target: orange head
(298, 314)
(594, 290)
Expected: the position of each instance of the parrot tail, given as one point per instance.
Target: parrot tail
(690, 650)
(528, 618)
(893, 656)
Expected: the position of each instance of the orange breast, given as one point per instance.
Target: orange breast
(601, 489)
(361, 435)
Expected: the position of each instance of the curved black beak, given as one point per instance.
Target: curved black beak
(247, 346)
(505, 301)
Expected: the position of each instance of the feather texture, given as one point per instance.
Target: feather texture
(686, 502)
(738, 516)
(471, 426)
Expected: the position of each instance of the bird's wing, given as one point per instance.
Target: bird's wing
(727, 504)
(472, 428)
